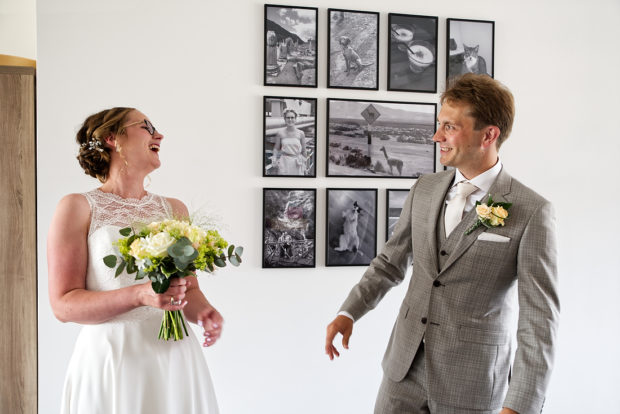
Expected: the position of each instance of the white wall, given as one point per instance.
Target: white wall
(18, 28)
(195, 67)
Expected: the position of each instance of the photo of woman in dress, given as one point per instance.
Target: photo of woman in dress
(118, 365)
(289, 151)
(289, 137)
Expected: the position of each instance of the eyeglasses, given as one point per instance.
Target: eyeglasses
(147, 125)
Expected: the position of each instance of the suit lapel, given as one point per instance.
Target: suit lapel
(436, 206)
(499, 189)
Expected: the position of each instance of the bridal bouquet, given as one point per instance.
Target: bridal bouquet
(167, 249)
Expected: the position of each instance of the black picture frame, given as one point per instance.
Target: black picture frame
(274, 129)
(412, 53)
(351, 226)
(352, 49)
(290, 46)
(464, 35)
(289, 227)
(400, 135)
(394, 201)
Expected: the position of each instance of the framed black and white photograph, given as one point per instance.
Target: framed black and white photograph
(351, 236)
(380, 138)
(394, 202)
(353, 49)
(470, 47)
(412, 53)
(289, 227)
(289, 137)
(291, 45)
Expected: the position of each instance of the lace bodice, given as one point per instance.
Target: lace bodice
(108, 209)
(109, 214)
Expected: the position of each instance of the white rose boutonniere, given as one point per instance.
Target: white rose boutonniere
(490, 214)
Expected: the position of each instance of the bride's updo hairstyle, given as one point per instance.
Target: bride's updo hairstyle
(94, 156)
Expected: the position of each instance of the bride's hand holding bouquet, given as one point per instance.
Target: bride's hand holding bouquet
(166, 252)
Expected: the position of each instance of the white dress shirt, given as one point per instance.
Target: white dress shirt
(482, 181)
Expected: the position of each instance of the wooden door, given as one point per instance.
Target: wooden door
(18, 241)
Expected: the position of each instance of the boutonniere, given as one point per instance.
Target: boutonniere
(490, 214)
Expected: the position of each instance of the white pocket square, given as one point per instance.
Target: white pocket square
(493, 237)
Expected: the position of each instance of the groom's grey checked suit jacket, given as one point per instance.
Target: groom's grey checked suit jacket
(460, 298)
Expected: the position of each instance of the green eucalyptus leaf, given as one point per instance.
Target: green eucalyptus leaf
(188, 250)
(180, 265)
(168, 268)
(131, 266)
(140, 275)
(120, 268)
(239, 251)
(219, 262)
(210, 267)
(159, 282)
(238, 258)
(110, 260)
(231, 249)
(177, 249)
(233, 261)
(125, 232)
(187, 273)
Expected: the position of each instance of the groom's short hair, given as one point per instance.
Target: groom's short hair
(489, 101)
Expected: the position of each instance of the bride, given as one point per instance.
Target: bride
(118, 364)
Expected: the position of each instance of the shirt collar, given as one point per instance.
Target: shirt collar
(483, 181)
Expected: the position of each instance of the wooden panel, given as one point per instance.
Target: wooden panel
(18, 254)
(8, 60)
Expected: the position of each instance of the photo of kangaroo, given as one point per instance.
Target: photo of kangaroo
(380, 139)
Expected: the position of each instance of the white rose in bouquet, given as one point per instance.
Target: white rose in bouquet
(157, 245)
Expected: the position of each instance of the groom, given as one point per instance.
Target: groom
(452, 348)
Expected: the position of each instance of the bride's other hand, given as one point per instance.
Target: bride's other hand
(201, 312)
(171, 300)
(211, 321)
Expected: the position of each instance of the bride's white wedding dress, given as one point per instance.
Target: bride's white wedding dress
(120, 366)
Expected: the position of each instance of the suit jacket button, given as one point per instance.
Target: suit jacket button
(436, 283)
(443, 252)
(423, 320)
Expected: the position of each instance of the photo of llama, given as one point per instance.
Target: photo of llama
(380, 139)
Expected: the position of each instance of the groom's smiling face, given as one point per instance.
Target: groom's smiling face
(459, 143)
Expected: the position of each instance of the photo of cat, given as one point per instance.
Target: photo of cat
(470, 47)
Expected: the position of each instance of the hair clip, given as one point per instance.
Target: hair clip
(93, 144)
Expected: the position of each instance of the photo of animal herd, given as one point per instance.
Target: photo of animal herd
(364, 138)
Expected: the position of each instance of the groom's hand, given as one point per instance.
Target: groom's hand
(342, 325)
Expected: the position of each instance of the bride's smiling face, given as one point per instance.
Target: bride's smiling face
(140, 142)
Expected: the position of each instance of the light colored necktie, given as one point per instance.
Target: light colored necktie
(454, 209)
